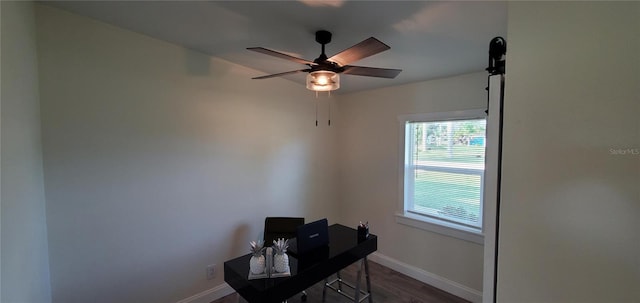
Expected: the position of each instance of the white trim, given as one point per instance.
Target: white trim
(490, 210)
(441, 227)
(210, 295)
(424, 276)
(443, 116)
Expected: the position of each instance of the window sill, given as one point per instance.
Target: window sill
(441, 227)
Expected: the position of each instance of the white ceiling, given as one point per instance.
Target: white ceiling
(428, 39)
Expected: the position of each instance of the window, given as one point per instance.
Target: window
(443, 169)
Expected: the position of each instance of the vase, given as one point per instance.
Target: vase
(281, 262)
(256, 264)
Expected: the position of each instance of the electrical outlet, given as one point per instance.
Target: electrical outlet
(211, 271)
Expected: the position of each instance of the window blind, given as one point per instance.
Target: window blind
(447, 170)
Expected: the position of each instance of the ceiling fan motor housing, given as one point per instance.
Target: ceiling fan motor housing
(323, 64)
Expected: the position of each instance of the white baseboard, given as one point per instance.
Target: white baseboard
(421, 275)
(428, 278)
(210, 295)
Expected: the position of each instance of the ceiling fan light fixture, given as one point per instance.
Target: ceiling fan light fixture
(323, 81)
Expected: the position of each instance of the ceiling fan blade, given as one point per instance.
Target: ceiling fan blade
(279, 55)
(371, 71)
(366, 48)
(282, 74)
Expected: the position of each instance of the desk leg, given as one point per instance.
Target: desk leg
(364, 263)
(324, 289)
(357, 294)
(366, 275)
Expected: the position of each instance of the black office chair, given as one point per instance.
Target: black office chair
(282, 227)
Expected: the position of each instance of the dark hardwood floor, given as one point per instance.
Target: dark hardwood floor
(388, 286)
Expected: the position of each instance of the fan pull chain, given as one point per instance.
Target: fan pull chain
(316, 109)
(329, 111)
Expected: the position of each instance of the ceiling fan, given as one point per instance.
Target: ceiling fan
(323, 71)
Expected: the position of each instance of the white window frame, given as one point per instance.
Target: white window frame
(414, 219)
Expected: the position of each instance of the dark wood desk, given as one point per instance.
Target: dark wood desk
(344, 249)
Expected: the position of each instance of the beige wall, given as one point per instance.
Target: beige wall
(368, 149)
(25, 261)
(155, 170)
(569, 227)
(159, 161)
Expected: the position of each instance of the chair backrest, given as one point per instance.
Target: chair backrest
(280, 227)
